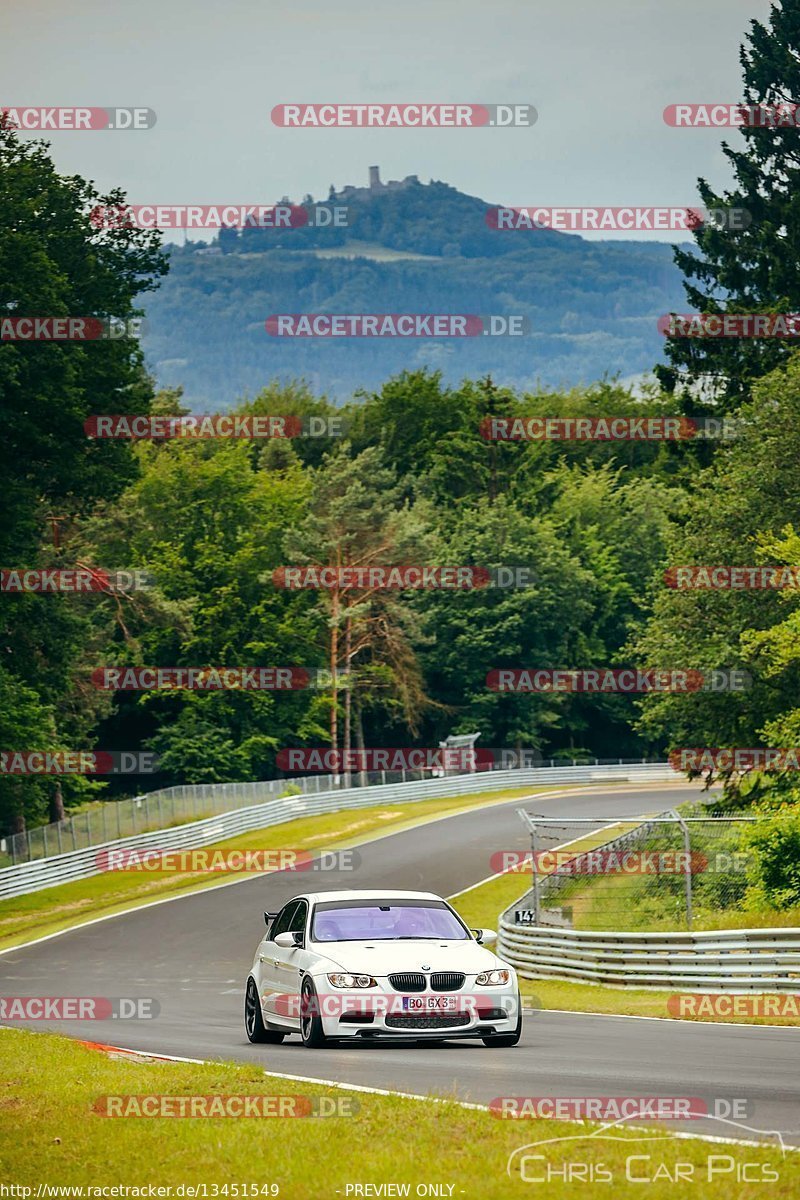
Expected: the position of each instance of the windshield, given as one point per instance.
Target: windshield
(356, 921)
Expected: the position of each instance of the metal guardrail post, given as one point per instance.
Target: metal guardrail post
(687, 846)
(535, 873)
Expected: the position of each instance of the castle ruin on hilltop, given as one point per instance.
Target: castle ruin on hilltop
(350, 192)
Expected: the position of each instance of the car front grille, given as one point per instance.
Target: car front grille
(427, 1021)
(408, 981)
(447, 981)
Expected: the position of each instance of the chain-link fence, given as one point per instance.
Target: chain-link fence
(672, 870)
(167, 807)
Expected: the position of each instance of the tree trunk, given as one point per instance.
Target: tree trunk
(334, 665)
(363, 778)
(56, 804)
(348, 650)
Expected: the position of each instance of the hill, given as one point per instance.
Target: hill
(408, 247)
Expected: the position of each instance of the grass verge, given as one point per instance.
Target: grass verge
(480, 907)
(51, 1134)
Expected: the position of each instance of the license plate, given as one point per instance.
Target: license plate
(429, 1003)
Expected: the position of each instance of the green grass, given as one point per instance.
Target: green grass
(636, 1002)
(627, 902)
(52, 909)
(481, 907)
(51, 1134)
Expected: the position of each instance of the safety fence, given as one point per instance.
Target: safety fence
(162, 808)
(729, 960)
(81, 863)
(586, 878)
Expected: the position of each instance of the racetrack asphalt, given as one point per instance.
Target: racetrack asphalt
(193, 953)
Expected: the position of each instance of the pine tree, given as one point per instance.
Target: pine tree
(756, 269)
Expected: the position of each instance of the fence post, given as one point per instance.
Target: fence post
(105, 822)
(44, 839)
(28, 840)
(58, 827)
(535, 873)
(72, 831)
(687, 846)
(119, 819)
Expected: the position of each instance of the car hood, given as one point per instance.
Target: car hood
(383, 958)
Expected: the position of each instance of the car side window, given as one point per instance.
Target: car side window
(281, 924)
(297, 921)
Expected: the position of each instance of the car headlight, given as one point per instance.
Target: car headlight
(352, 981)
(490, 977)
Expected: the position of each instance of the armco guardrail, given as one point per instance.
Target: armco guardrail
(80, 864)
(730, 960)
(186, 802)
(727, 960)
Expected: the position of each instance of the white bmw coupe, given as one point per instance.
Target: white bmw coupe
(378, 964)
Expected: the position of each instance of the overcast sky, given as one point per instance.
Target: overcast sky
(599, 74)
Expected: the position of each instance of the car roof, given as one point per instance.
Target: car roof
(367, 894)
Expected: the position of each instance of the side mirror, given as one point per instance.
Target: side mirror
(288, 940)
(486, 937)
(269, 918)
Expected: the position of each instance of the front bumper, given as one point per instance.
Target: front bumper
(369, 1013)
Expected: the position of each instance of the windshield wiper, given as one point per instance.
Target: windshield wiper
(418, 937)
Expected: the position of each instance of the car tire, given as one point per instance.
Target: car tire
(507, 1039)
(254, 1025)
(311, 1030)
